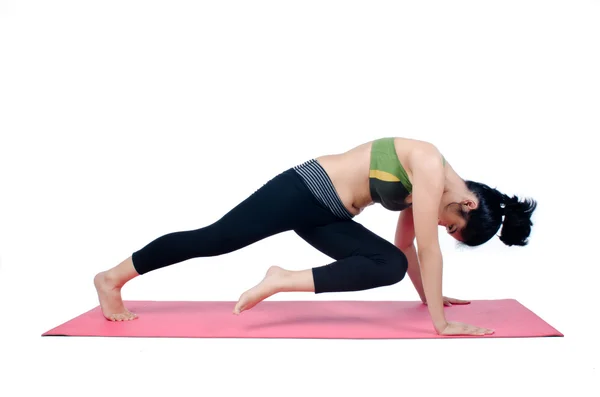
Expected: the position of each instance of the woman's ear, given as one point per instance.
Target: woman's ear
(468, 205)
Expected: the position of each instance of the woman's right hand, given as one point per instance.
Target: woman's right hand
(456, 328)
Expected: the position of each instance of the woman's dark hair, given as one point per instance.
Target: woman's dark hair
(485, 221)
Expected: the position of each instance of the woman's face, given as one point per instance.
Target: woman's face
(452, 215)
(452, 219)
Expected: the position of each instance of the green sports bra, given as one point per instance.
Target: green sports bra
(388, 181)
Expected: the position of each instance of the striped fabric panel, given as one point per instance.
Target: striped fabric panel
(321, 186)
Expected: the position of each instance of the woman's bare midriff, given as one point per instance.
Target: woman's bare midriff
(349, 172)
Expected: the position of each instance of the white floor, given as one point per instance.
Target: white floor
(96, 366)
(70, 367)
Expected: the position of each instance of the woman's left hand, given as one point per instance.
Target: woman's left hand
(452, 301)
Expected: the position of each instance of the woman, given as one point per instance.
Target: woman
(318, 201)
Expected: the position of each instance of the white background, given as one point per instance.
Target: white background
(121, 121)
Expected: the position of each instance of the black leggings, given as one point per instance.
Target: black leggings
(363, 260)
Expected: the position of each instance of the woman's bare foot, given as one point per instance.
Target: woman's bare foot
(109, 295)
(269, 285)
(276, 280)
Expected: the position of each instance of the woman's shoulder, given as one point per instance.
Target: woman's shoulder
(417, 149)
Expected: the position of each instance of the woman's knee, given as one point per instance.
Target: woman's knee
(392, 265)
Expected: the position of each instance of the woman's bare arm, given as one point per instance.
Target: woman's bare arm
(404, 240)
(428, 186)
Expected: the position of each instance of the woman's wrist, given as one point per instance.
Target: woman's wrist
(440, 325)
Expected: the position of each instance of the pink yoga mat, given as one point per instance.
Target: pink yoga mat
(305, 319)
